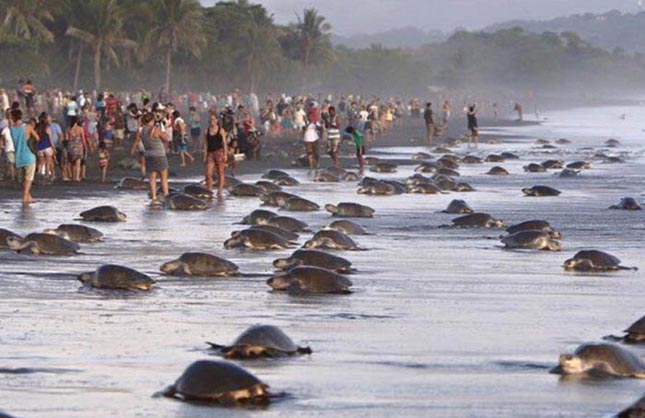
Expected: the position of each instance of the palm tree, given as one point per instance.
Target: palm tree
(100, 26)
(176, 25)
(25, 19)
(260, 54)
(312, 34)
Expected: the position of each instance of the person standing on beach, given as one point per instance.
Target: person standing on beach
(360, 147)
(520, 112)
(310, 138)
(446, 113)
(155, 144)
(8, 148)
(472, 125)
(25, 158)
(429, 119)
(215, 154)
(181, 133)
(332, 126)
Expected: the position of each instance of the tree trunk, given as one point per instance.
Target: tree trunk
(97, 65)
(79, 58)
(168, 69)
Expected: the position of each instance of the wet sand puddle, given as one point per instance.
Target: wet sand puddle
(443, 322)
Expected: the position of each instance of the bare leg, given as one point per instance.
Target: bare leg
(210, 168)
(164, 182)
(26, 193)
(153, 185)
(221, 181)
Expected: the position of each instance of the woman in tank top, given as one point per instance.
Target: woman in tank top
(215, 153)
(154, 144)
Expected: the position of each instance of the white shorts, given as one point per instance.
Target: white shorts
(47, 152)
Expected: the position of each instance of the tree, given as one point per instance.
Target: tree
(261, 54)
(176, 25)
(26, 19)
(100, 26)
(313, 40)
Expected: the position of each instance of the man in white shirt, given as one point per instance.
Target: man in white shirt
(9, 149)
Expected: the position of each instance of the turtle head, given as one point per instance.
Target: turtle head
(280, 282)
(85, 277)
(233, 242)
(578, 264)
(553, 233)
(528, 191)
(170, 267)
(16, 244)
(571, 364)
(555, 245)
(310, 244)
(121, 216)
(497, 223)
(331, 208)
(360, 190)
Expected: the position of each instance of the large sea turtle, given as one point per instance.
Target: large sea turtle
(77, 233)
(534, 225)
(477, 220)
(183, 201)
(350, 210)
(458, 206)
(112, 276)
(309, 279)
(634, 334)
(383, 168)
(288, 235)
(497, 171)
(261, 341)
(601, 360)
(298, 204)
(314, 258)
(4, 234)
(278, 199)
(275, 174)
(333, 240)
(540, 191)
(288, 223)
(43, 244)
(268, 186)
(218, 382)
(198, 191)
(130, 183)
(534, 240)
(247, 190)
(256, 239)
(594, 260)
(103, 214)
(258, 217)
(626, 203)
(200, 264)
(348, 227)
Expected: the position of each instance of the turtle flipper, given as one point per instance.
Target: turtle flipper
(304, 350)
(168, 392)
(216, 346)
(627, 268)
(295, 289)
(556, 370)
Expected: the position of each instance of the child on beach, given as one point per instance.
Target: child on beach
(360, 146)
(104, 160)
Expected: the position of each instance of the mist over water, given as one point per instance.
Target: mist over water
(443, 322)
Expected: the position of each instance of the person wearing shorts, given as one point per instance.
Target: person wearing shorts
(332, 126)
(310, 138)
(25, 158)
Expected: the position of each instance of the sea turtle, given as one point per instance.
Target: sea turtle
(534, 240)
(458, 206)
(4, 234)
(103, 214)
(371, 161)
(568, 173)
(77, 233)
(449, 163)
(275, 174)
(324, 176)
(448, 172)
(261, 341)
(289, 223)
(540, 141)
(288, 235)
(183, 201)
(541, 191)
(424, 188)
(422, 156)
(231, 182)
(347, 227)
(611, 143)
(397, 186)
(635, 410)
(350, 176)
(308, 279)
(247, 190)
(562, 141)
(314, 258)
(579, 165)
(635, 333)
(383, 168)
(130, 183)
(494, 158)
(445, 183)
(601, 360)
(258, 217)
(553, 164)
(627, 203)
(509, 156)
(43, 244)
(218, 382)
(377, 188)
(200, 264)
(417, 179)
(534, 168)
(112, 276)
(477, 220)
(256, 239)
(287, 181)
(497, 171)
(333, 240)
(450, 157)
(463, 187)
(198, 191)
(471, 159)
(426, 167)
(298, 204)
(594, 260)
(441, 150)
(268, 186)
(276, 199)
(534, 225)
(350, 210)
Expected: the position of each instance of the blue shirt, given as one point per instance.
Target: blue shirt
(57, 133)
(24, 156)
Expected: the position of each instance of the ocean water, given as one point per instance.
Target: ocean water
(442, 322)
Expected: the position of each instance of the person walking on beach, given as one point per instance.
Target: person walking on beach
(21, 133)
(77, 145)
(429, 119)
(472, 125)
(332, 126)
(215, 154)
(181, 133)
(446, 113)
(360, 147)
(155, 145)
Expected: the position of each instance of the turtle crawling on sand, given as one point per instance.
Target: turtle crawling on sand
(534, 225)
(112, 276)
(219, 382)
(200, 264)
(103, 214)
(594, 261)
(477, 220)
(43, 244)
(261, 341)
(77, 233)
(601, 360)
(332, 240)
(350, 210)
(309, 279)
(626, 203)
(347, 227)
(314, 258)
(635, 333)
(541, 191)
(4, 234)
(533, 240)
(256, 239)
(458, 206)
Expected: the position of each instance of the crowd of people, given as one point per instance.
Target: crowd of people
(49, 136)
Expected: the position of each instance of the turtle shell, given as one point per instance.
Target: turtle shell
(267, 336)
(598, 258)
(52, 244)
(112, 276)
(210, 380)
(637, 327)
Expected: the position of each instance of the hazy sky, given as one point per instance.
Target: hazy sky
(368, 16)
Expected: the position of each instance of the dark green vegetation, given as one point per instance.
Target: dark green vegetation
(185, 46)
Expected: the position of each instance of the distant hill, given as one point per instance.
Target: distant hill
(407, 37)
(608, 30)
